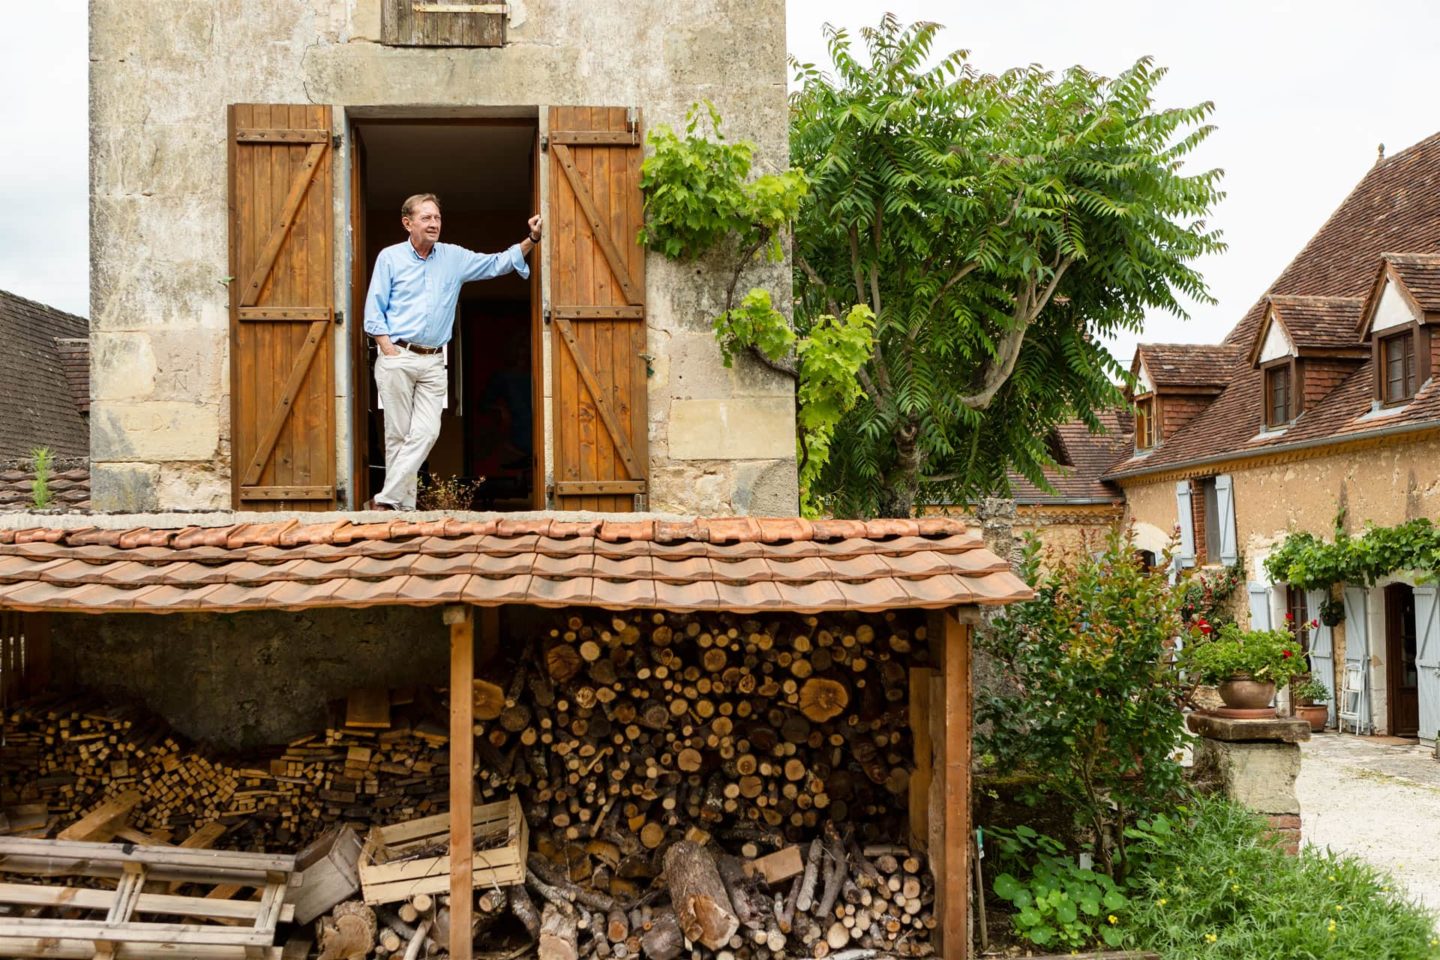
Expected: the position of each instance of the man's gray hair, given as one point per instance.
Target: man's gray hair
(411, 204)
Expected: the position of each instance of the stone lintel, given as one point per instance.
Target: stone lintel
(1271, 730)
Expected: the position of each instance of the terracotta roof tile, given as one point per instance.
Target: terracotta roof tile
(1193, 365)
(38, 402)
(727, 564)
(1088, 456)
(1421, 275)
(1394, 211)
(1324, 322)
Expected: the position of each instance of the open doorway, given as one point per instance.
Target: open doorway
(485, 173)
(1402, 675)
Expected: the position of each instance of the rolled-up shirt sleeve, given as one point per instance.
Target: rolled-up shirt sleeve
(487, 266)
(377, 299)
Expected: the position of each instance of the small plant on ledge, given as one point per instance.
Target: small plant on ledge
(1246, 665)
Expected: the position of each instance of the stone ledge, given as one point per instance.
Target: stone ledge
(1272, 730)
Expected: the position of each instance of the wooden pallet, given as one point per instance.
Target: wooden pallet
(84, 922)
(390, 871)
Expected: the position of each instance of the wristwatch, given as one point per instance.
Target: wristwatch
(534, 238)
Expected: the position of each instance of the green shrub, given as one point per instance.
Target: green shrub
(1216, 886)
(44, 462)
(1057, 902)
(1093, 698)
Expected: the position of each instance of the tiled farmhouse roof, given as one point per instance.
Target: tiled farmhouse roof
(1323, 322)
(37, 405)
(1421, 276)
(1395, 207)
(736, 564)
(1088, 456)
(1189, 365)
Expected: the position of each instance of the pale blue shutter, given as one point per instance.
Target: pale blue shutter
(1322, 646)
(1186, 557)
(1225, 499)
(1259, 605)
(1357, 648)
(1427, 659)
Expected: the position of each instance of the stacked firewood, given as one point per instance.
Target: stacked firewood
(70, 754)
(755, 732)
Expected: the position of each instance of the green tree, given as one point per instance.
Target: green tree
(996, 226)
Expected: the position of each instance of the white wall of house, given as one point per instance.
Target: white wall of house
(1392, 311)
(1277, 342)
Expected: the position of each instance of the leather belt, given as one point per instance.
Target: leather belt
(416, 348)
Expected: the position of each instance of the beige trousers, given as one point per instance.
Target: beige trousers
(412, 391)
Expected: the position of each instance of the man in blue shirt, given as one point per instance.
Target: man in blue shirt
(410, 312)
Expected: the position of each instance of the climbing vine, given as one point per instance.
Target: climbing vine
(701, 199)
(1306, 561)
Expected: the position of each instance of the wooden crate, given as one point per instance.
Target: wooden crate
(329, 873)
(387, 876)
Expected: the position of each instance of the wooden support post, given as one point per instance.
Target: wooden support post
(462, 777)
(952, 892)
(923, 775)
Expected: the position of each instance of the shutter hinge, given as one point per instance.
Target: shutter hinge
(546, 314)
(632, 123)
(336, 140)
(339, 317)
(544, 142)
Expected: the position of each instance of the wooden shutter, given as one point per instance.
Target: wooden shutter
(597, 295)
(1427, 659)
(1225, 499)
(282, 365)
(1186, 518)
(1259, 605)
(1322, 646)
(412, 23)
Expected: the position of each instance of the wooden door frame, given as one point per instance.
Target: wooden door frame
(539, 487)
(359, 347)
(1394, 655)
(359, 284)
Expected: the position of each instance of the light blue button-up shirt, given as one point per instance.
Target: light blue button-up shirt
(413, 298)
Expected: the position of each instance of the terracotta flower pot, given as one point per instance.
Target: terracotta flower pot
(1316, 713)
(1245, 694)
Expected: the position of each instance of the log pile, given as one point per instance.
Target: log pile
(730, 782)
(71, 755)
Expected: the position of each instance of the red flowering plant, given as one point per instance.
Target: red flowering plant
(1217, 654)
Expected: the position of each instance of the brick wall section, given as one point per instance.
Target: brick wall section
(1285, 828)
(1197, 519)
(1321, 377)
(1176, 411)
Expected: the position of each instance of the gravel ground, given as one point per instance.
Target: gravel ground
(1378, 801)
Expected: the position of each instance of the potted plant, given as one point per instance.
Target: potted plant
(1245, 665)
(1310, 699)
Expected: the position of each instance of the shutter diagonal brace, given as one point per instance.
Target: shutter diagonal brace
(602, 402)
(266, 262)
(597, 226)
(287, 400)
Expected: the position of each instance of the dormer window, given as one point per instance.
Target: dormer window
(1279, 396)
(1397, 367)
(1146, 433)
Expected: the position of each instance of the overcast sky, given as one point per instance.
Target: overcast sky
(1304, 93)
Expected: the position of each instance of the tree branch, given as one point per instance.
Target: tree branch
(815, 279)
(784, 365)
(1027, 307)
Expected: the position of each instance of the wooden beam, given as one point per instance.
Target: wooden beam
(924, 745)
(952, 891)
(462, 777)
(99, 824)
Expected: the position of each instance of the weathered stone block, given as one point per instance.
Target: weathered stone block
(124, 487)
(122, 366)
(154, 431)
(1259, 775)
(743, 428)
(769, 488)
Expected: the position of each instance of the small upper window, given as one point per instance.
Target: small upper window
(1146, 434)
(408, 23)
(1279, 400)
(1397, 368)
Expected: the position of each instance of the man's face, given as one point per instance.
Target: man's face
(424, 224)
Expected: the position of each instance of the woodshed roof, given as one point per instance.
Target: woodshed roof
(740, 564)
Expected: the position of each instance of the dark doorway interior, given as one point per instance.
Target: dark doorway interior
(1402, 677)
(485, 175)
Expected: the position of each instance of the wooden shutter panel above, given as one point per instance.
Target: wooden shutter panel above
(282, 365)
(443, 23)
(597, 292)
(1186, 520)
